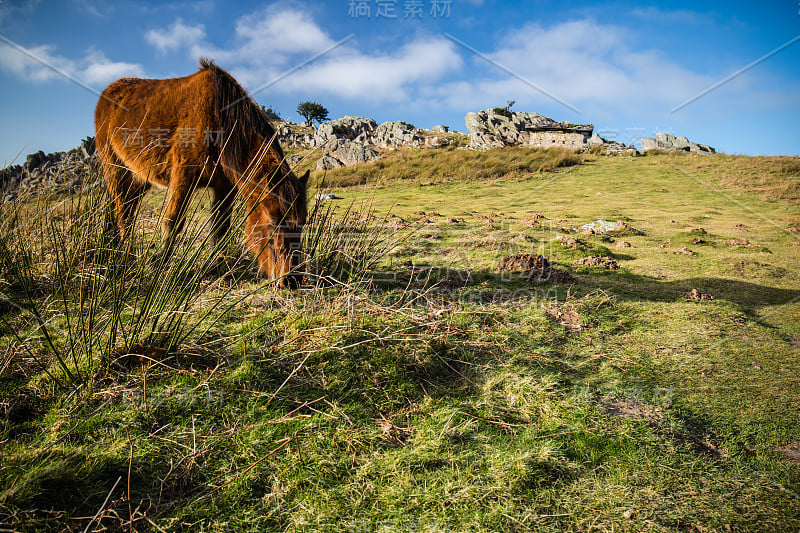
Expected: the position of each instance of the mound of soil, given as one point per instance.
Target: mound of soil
(514, 263)
(742, 242)
(397, 223)
(684, 251)
(695, 231)
(571, 242)
(533, 221)
(536, 268)
(560, 276)
(623, 244)
(698, 296)
(594, 260)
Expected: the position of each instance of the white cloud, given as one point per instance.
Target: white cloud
(17, 9)
(27, 68)
(176, 36)
(589, 65)
(101, 71)
(274, 40)
(278, 31)
(379, 77)
(41, 63)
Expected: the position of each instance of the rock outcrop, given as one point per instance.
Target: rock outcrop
(611, 147)
(357, 129)
(56, 172)
(396, 133)
(665, 141)
(292, 135)
(344, 153)
(488, 129)
(350, 140)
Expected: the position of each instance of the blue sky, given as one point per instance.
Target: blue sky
(623, 66)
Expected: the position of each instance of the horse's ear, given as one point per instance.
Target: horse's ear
(304, 178)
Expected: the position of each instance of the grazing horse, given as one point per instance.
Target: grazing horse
(202, 130)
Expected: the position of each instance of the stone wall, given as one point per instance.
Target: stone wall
(567, 139)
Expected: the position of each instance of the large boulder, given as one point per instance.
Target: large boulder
(344, 153)
(669, 142)
(358, 129)
(396, 133)
(488, 129)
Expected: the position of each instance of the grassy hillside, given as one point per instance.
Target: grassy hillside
(411, 385)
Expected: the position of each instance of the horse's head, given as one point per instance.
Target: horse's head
(274, 230)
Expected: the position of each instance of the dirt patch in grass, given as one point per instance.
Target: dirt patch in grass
(790, 451)
(597, 261)
(567, 318)
(20, 407)
(632, 409)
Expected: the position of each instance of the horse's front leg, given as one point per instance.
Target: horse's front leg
(181, 186)
(222, 207)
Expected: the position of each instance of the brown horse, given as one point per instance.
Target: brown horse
(202, 130)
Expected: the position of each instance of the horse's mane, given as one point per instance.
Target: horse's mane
(239, 117)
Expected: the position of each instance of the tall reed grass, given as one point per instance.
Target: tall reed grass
(76, 295)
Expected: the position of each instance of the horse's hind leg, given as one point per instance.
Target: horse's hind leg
(222, 208)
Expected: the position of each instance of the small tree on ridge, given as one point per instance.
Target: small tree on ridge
(312, 111)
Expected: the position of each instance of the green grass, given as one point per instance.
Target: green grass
(429, 391)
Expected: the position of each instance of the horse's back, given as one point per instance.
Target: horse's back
(148, 125)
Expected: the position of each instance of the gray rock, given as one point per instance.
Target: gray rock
(602, 226)
(666, 141)
(649, 143)
(35, 160)
(344, 153)
(439, 128)
(357, 129)
(396, 133)
(87, 147)
(488, 129)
